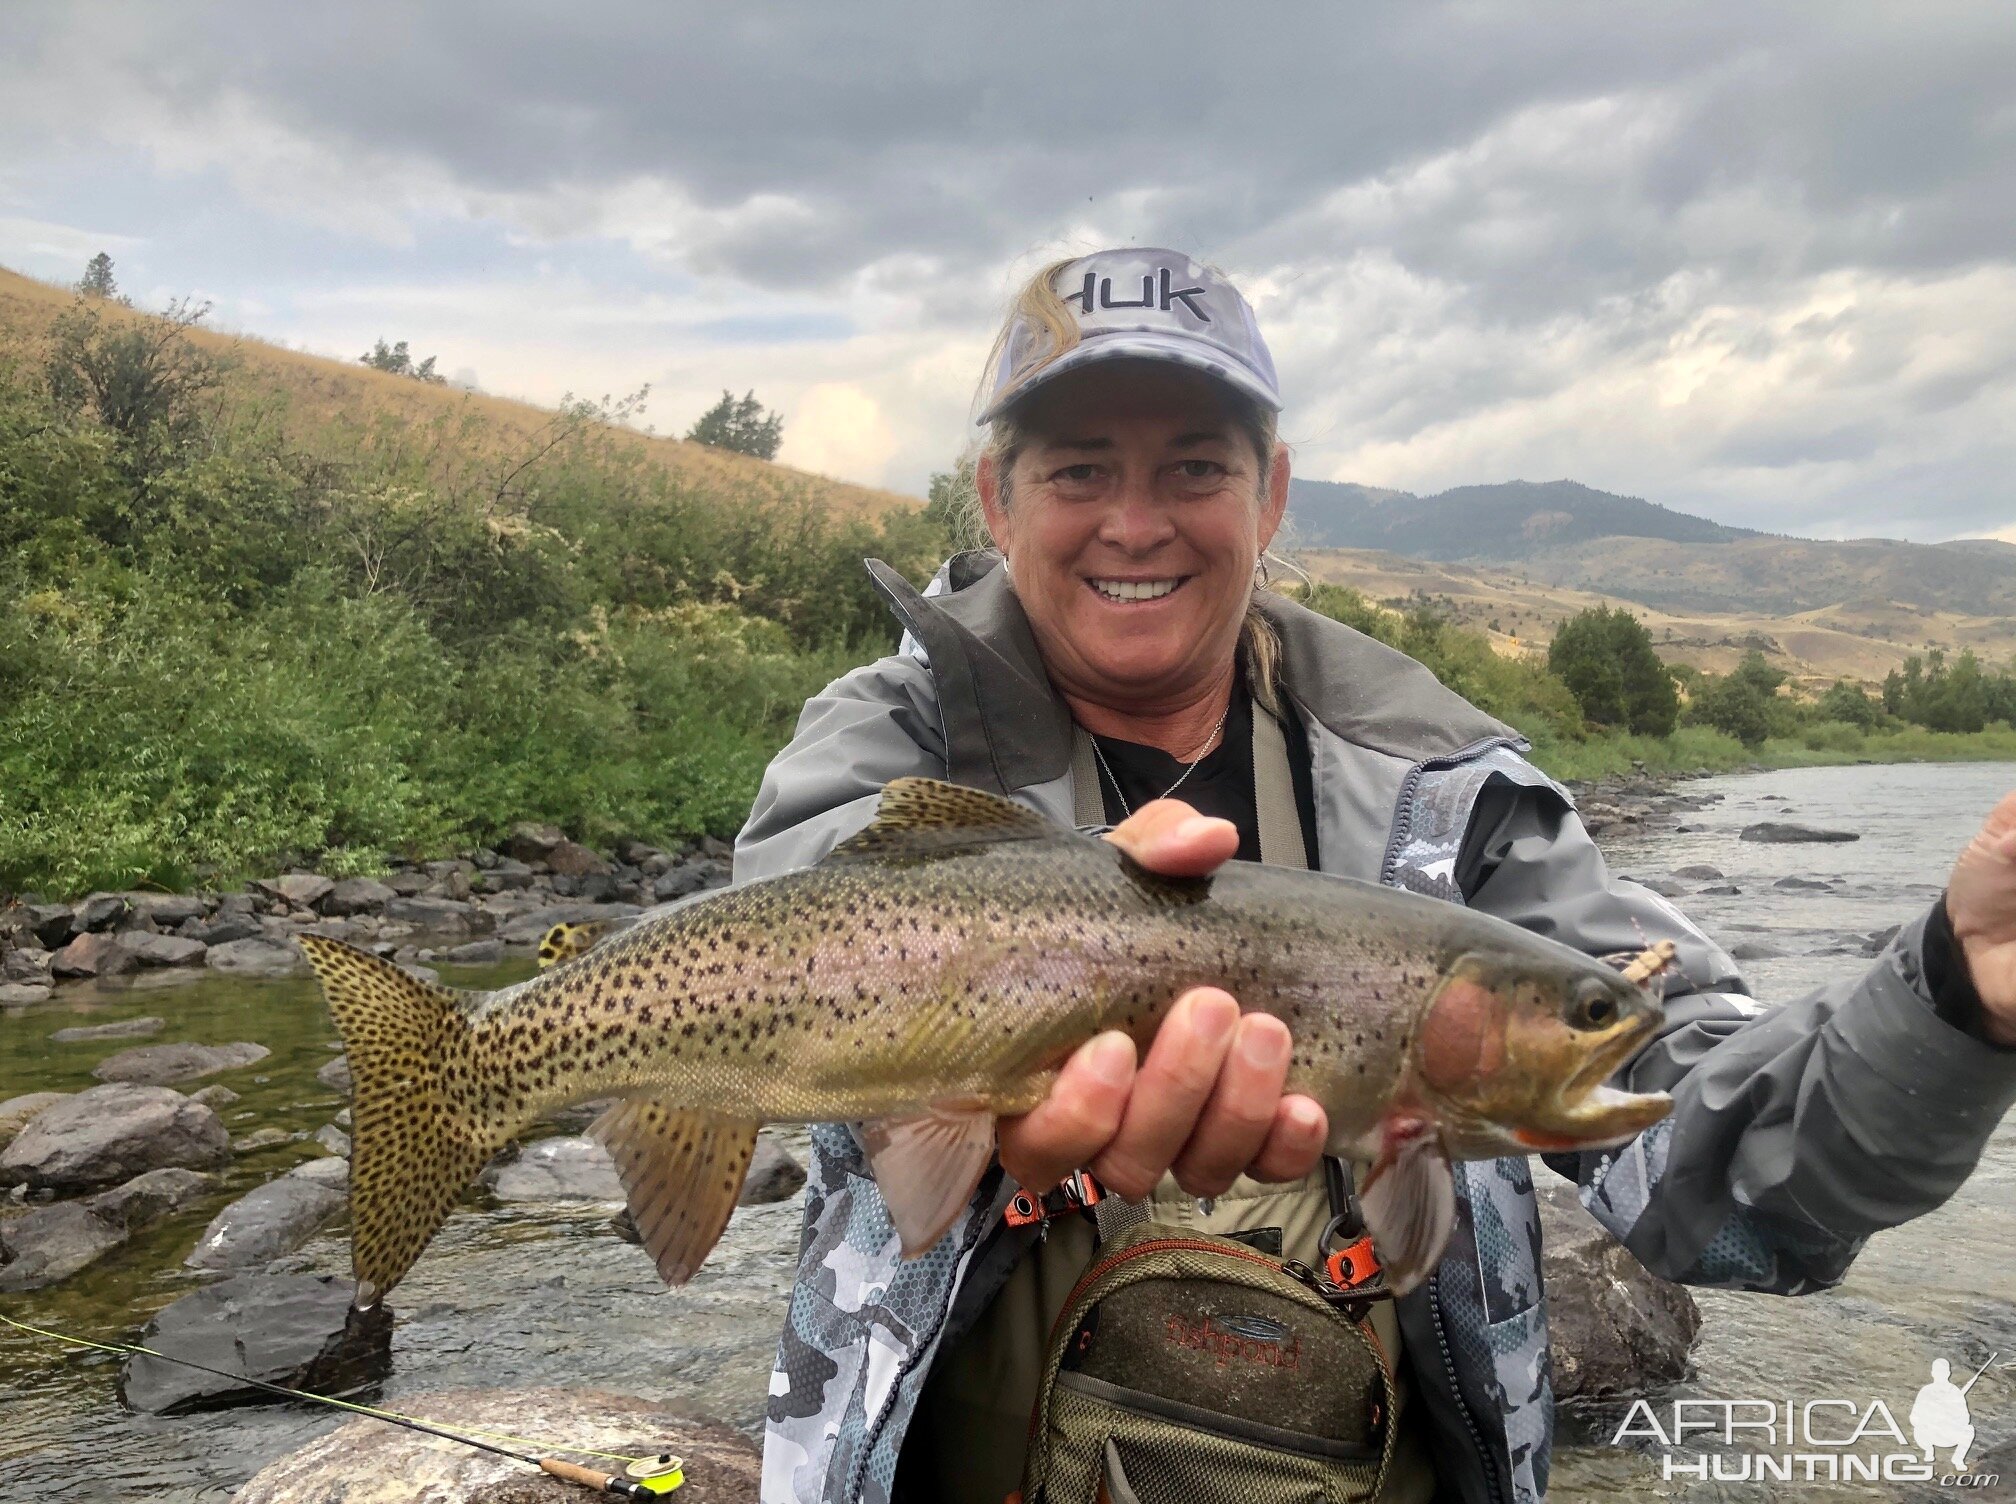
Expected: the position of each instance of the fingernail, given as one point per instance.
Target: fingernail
(1263, 1048)
(1111, 1059)
(1213, 1018)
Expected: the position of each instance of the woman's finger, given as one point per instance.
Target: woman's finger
(1170, 1092)
(1170, 837)
(1241, 1110)
(1294, 1143)
(1077, 1119)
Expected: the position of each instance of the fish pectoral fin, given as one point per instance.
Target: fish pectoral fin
(1409, 1202)
(927, 1167)
(682, 1171)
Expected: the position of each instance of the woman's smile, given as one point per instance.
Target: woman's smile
(1137, 592)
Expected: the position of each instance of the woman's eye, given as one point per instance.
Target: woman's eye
(1078, 473)
(1200, 469)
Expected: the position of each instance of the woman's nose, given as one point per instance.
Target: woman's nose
(1135, 521)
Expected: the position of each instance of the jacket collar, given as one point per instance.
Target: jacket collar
(1006, 728)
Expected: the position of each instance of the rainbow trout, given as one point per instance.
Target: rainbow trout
(931, 975)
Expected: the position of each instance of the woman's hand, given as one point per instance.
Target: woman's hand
(1981, 901)
(1207, 1102)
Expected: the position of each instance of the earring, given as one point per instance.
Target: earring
(1260, 574)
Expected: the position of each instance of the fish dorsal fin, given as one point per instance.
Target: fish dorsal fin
(923, 816)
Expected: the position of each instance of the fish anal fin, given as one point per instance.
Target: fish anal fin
(927, 1166)
(919, 816)
(1409, 1203)
(682, 1174)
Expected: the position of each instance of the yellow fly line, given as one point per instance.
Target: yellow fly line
(659, 1474)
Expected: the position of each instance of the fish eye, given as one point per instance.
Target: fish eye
(1594, 1007)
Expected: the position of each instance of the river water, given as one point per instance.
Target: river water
(533, 1294)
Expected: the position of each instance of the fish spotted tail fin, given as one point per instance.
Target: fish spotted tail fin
(419, 1133)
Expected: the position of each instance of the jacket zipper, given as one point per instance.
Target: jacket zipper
(1403, 808)
(1484, 1453)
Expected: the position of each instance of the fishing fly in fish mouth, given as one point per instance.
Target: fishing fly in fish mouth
(1335, 968)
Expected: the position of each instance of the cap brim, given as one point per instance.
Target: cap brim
(1145, 345)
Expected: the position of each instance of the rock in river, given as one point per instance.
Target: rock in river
(291, 1329)
(15, 1112)
(166, 1064)
(257, 958)
(362, 1462)
(557, 1169)
(1774, 833)
(126, 1028)
(773, 1174)
(110, 1134)
(336, 1075)
(162, 950)
(1616, 1328)
(51, 1243)
(259, 1227)
(93, 955)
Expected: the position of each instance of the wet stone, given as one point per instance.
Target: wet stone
(214, 1096)
(24, 965)
(336, 1075)
(1616, 1329)
(110, 1134)
(334, 1139)
(162, 950)
(16, 1112)
(333, 1172)
(297, 1330)
(773, 1174)
(98, 912)
(1699, 872)
(260, 1226)
(1757, 950)
(93, 955)
(23, 994)
(166, 1064)
(1778, 833)
(556, 1169)
(256, 957)
(51, 1243)
(126, 1028)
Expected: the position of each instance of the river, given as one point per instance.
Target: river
(526, 1294)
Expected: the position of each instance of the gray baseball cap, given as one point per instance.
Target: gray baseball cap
(1143, 303)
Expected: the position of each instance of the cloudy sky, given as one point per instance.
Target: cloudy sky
(1751, 260)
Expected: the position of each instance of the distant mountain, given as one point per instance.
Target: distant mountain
(1515, 520)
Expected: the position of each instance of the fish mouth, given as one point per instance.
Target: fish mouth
(1624, 1039)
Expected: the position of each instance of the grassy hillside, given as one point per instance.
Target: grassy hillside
(1857, 638)
(1510, 520)
(320, 404)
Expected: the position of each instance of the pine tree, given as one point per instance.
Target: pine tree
(97, 282)
(740, 424)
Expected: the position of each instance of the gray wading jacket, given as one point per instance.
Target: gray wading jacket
(1797, 1130)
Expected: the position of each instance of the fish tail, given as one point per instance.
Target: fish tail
(423, 1125)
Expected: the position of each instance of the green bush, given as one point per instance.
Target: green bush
(1605, 657)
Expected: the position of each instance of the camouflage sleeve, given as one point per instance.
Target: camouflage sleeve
(867, 727)
(1798, 1129)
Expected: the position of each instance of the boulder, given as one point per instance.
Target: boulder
(15, 1112)
(333, 1171)
(1665, 887)
(356, 895)
(214, 1096)
(257, 957)
(441, 915)
(690, 877)
(21, 994)
(773, 1174)
(110, 1134)
(303, 890)
(363, 1462)
(406, 884)
(1699, 872)
(531, 843)
(260, 1226)
(168, 909)
(162, 950)
(94, 954)
(1757, 950)
(261, 1138)
(336, 1075)
(126, 1028)
(556, 1169)
(1804, 884)
(530, 928)
(101, 911)
(334, 1139)
(508, 873)
(50, 923)
(1776, 833)
(296, 1330)
(166, 1064)
(51, 1243)
(25, 965)
(1616, 1328)
(571, 860)
(1720, 890)
(474, 953)
(222, 929)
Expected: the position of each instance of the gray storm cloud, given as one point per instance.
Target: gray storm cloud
(1728, 252)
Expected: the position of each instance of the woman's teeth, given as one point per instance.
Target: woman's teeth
(1134, 590)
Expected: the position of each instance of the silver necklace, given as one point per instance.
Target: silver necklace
(1204, 751)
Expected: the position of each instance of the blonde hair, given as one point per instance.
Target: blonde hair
(1038, 308)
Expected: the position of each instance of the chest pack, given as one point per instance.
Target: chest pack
(1187, 1368)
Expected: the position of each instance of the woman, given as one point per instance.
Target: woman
(1116, 662)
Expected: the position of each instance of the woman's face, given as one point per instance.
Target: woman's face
(1132, 521)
